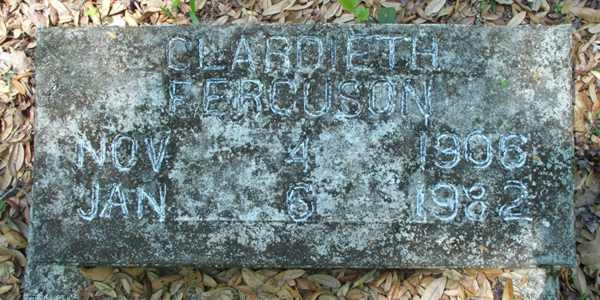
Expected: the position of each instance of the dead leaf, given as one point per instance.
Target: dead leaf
(485, 289)
(356, 294)
(117, 8)
(17, 157)
(200, 5)
(589, 252)
(97, 273)
(332, 10)
(301, 7)
(130, 20)
(152, 6)
(222, 20)
(5, 180)
(208, 281)
(157, 295)
(17, 59)
(366, 277)
(435, 289)
(580, 281)
(434, 7)
(3, 31)
(315, 295)
(105, 8)
(64, 15)
(289, 275)
(345, 18)
(594, 29)
(5, 289)
(7, 269)
(15, 239)
(516, 19)
(507, 293)
(105, 289)
(325, 280)
(126, 285)
(252, 279)
(535, 4)
(588, 14)
(18, 255)
(219, 294)
(453, 275)
(277, 8)
(133, 271)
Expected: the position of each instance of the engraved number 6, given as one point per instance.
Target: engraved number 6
(300, 202)
(511, 144)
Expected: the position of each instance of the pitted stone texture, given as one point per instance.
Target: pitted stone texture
(304, 145)
(52, 282)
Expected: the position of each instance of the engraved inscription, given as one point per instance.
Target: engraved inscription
(287, 83)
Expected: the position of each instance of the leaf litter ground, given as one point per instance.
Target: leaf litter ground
(20, 19)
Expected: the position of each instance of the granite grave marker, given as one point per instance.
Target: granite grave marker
(304, 145)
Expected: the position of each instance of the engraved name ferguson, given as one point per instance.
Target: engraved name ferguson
(311, 75)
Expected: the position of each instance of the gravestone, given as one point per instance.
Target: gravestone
(304, 146)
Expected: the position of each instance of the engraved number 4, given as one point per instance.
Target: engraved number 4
(299, 154)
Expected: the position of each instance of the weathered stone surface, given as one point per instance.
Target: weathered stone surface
(314, 145)
(52, 282)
